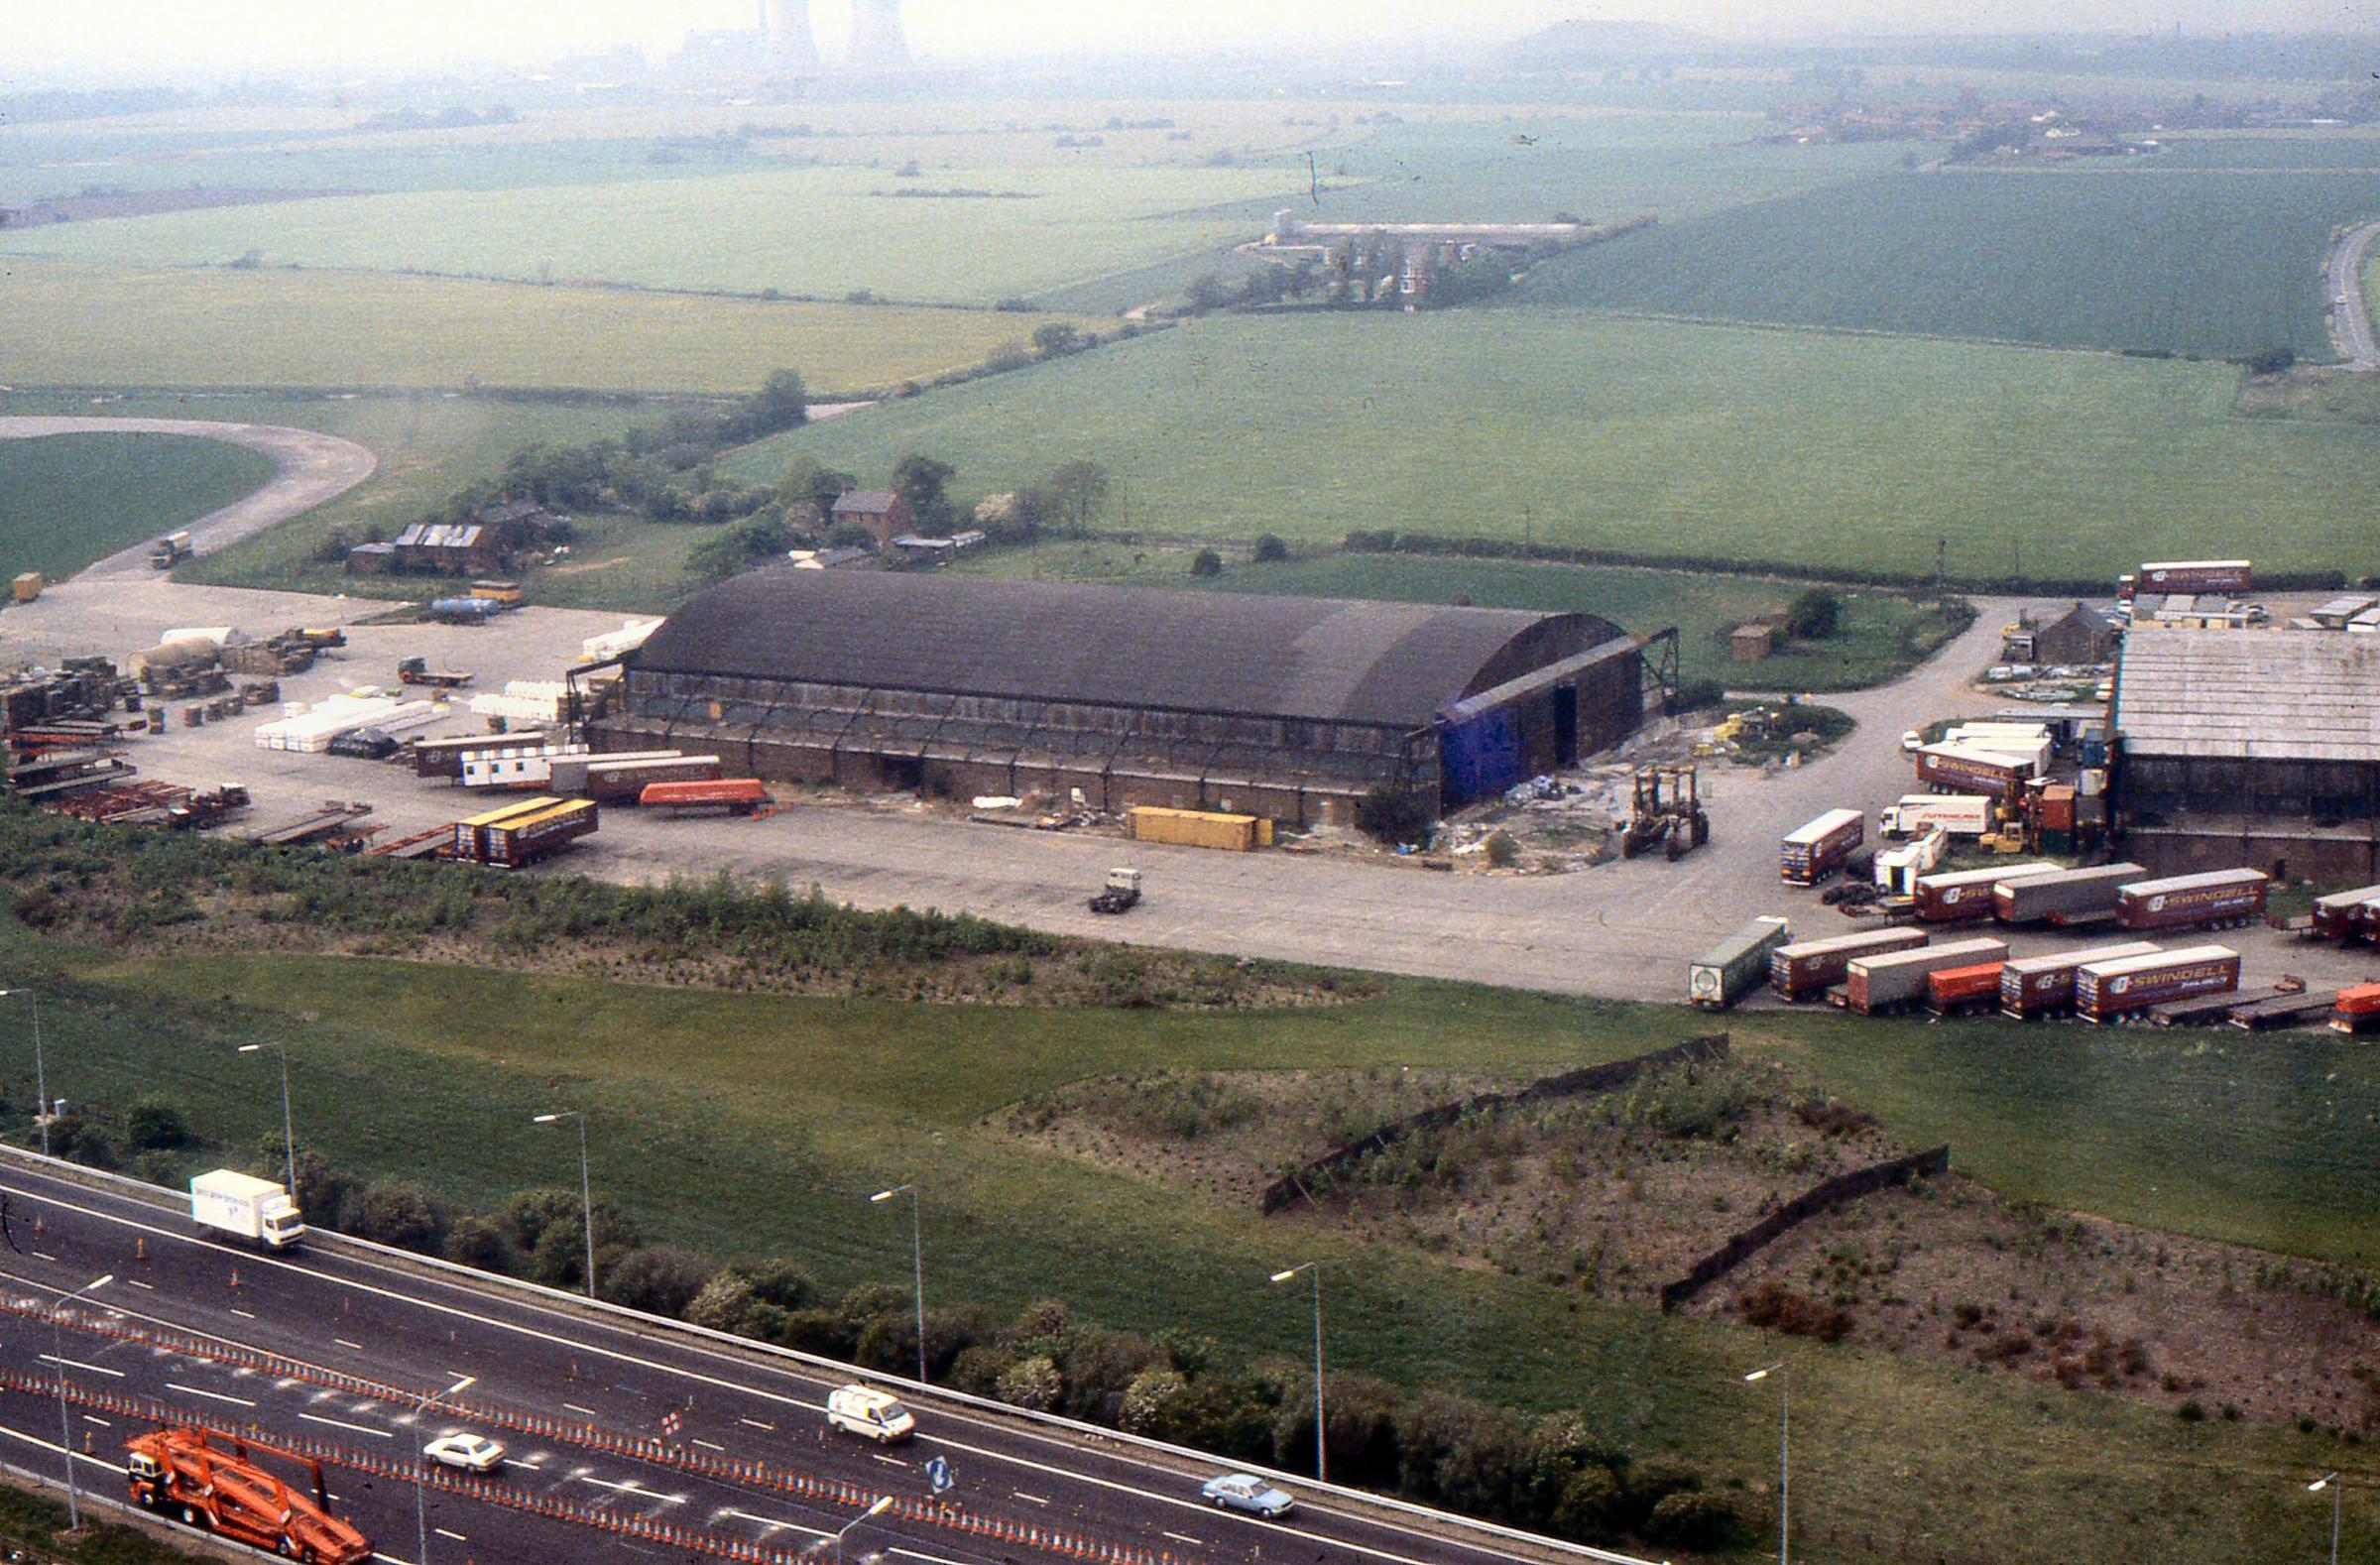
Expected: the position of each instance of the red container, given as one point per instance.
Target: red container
(743, 793)
(1954, 986)
(2359, 999)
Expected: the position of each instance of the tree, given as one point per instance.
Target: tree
(924, 483)
(1033, 1383)
(1814, 615)
(1205, 295)
(1056, 340)
(1269, 547)
(782, 403)
(659, 1280)
(403, 1215)
(1206, 563)
(1078, 491)
(807, 483)
(156, 1125)
(2270, 361)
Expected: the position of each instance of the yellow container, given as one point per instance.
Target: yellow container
(27, 587)
(1198, 828)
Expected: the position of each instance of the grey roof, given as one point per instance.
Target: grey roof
(2089, 618)
(1333, 660)
(2271, 694)
(864, 502)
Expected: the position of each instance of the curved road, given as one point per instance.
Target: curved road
(2351, 319)
(314, 468)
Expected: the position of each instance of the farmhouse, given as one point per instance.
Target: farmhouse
(882, 513)
(2082, 635)
(1287, 707)
(2260, 748)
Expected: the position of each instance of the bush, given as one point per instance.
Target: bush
(399, 1213)
(1691, 1519)
(480, 1242)
(1694, 695)
(1206, 564)
(1032, 1383)
(156, 1125)
(659, 1281)
(1397, 816)
(1269, 547)
(1150, 1399)
(1814, 615)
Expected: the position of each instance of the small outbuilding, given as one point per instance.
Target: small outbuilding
(2083, 635)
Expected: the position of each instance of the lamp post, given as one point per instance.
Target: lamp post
(41, 1083)
(1322, 1464)
(1784, 1457)
(2331, 1481)
(288, 1126)
(421, 1467)
(65, 1428)
(884, 1503)
(916, 1257)
(586, 1192)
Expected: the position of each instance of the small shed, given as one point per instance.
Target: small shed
(1753, 642)
(2083, 635)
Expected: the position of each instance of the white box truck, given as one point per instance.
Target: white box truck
(1960, 814)
(247, 1208)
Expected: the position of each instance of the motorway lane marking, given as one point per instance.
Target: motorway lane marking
(589, 1411)
(893, 1460)
(102, 1423)
(630, 1486)
(193, 1390)
(775, 1525)
(1034, 1499)
(95, 1369)
(340, 1423)
(586, 1345)
(710, 1445)
(242, 1314)
(37, 1256)
(345, 1343)
(1179, 1537)
(757, 1424)
(457, 1536)
(137, 1283)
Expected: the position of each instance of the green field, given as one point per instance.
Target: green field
(815, 233)
(67, 500)
(84, 325)
(1881, 634)
(1652, 440)
(2146, 257)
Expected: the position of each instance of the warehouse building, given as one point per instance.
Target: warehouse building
(2255, 748)
(1287, 707)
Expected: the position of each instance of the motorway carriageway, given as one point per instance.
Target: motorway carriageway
(330, 1351)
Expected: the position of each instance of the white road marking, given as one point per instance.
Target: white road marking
(95, 1369)
(631, 1487)
(102, 1423)
(341, 1423)
(457, 1536)
(1179, 1537)
(710, 1445)
(345, 1343)
(574, 1407)
(757, 1424)
(1032, 1499)
(137, 1283)
(775, 1525)
(893, 1460)
(37, 1256)
(193, 1390)
(242, 1314)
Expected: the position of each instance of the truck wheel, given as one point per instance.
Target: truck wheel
(192, 1517)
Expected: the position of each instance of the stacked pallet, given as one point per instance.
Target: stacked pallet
(311, 729)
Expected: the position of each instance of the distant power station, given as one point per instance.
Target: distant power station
(785, 46)
(788, 47)
(877, 41)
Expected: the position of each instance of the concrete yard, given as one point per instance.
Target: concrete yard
(1625, 930)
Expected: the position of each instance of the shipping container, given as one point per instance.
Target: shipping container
(2357, 1009)
(2341, 915)
(470, 836)
(736, 796)
(1960, 814)
(612, 780)
(2104, 991)
(1953, 990)
(1964, 894)
(1200, 828)
(498, 764)
(1962, 768)
(1818, 850)
(1887, 981)
(2191, 576)
(1808, 968)
(444, 757)
(1721, 975)
(27, 587)
(2032, 742)
(524, 839)
(2063, 897)
(2034, 985)
(2192, 901)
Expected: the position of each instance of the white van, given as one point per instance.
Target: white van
(878, 1415)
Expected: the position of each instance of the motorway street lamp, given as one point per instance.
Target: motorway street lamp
(289, 1127)
(1784, 1457)
(586, 1194)
(1322, 1465)
(884, 1503)
(918, 1259)
(66, 1429)
(41, 1084)
(2333, 1483)
(421, 1467)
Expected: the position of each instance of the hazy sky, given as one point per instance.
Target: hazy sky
(138, 37)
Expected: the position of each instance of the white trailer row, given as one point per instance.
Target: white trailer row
(310, 729)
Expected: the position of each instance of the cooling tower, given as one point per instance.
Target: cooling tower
(792, 49)
(877, 41)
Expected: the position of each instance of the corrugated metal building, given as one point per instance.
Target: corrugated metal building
(2253, 748)
(1287, 707)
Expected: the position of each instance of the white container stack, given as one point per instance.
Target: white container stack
(311, 729)
(525, 701)
(627, 639)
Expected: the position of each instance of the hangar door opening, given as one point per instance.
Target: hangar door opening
(1480, 758)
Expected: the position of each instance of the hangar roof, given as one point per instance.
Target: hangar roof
(2302, 695)
(1252, 653)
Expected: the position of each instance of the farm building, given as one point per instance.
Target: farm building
(476, 548)
(1291, 708)
(2260, 748)
(2082, 635)
(882, 513)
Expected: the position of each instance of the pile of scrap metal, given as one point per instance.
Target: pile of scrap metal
(83, 691)
(291, 652)
(166, 804)
(55, 774)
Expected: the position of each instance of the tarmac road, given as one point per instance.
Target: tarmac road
(2350, 321)
(233, 1339)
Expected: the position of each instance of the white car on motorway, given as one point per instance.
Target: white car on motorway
(472, 1453)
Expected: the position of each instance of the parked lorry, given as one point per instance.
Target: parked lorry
(2357, 1009)
(171, 551)
(1818, 849)
(2040, 986)
(1728, 971)
(1872, 984)
(2106, 991)
(1960, 814)
(2164, 578)
(417, 670)
(2343, 916)
(1808, 968)
(226, 1490)
(1121, 895)
(517, 841)
(2213, 900)
(247, 1208)
(1955, 991)
(1899, 870)
(2065, 899)
(1969, 768)
(1962, 896)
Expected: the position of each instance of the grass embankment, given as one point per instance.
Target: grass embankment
(37, 1523)
(71, 498)
(1656, 441)
(1881, 634)
(747, 1125)
(87, 325)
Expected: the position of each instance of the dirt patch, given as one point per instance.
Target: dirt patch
(1616, 1194)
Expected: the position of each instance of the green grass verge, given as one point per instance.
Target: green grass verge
(36, 1522)
(1882, 634)
(67, 500)
(2148, 256)
(742, 1125)
(87, 325)
(1654, 439)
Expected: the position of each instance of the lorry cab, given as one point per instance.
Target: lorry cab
(283, 1228)
(876, 1415)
